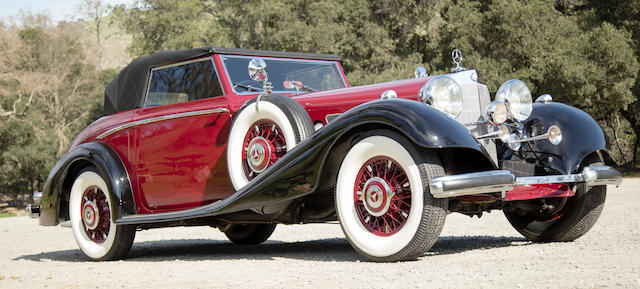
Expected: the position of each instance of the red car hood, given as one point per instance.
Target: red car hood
(319, 104)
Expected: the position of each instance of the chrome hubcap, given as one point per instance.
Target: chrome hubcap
(259, 154)
(377, 196)
(90, 215)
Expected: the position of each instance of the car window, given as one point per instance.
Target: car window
(196, 79)
(286, 75)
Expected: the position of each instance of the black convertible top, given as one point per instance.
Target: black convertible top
(127, 90)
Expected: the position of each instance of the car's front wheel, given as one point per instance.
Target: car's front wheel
(383, 201)
(569, 219)
(97, 235)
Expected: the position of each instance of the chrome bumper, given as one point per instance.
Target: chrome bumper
(503, 180)
(33, 211)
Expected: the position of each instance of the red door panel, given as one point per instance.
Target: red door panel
(181, 161)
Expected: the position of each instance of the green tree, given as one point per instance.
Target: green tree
(624, 15)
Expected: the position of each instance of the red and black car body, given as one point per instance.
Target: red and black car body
(169, 155)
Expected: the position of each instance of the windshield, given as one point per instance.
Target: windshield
(286, 75)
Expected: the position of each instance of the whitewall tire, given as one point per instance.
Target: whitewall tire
(382, 198)
(92, 224)
(262, 133)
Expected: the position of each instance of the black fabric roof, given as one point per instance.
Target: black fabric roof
(127, 90)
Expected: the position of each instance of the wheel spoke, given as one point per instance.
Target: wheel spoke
(382, 177)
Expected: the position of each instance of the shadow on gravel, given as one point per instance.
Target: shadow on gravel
(455, 245)
(334, 249)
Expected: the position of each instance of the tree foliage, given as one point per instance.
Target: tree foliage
(47, 94)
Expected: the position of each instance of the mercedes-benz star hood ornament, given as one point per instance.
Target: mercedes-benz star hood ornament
(456, 56)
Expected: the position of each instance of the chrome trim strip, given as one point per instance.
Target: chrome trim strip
(550, 179)
(476, 123)
(503, 180)
(160, 118)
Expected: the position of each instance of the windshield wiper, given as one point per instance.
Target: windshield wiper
(289, 84)
(247, 87)
(304, 87)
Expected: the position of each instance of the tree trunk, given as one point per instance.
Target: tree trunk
(632, 114)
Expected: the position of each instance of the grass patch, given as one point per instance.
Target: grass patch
(4, 215)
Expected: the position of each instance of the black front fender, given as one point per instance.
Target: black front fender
(424, 125)
(581, 135)
(58, 184)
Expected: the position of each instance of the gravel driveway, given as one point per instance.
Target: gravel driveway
(471, 253)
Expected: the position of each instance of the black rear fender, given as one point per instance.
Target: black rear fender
(55, 195)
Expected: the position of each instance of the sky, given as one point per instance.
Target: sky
(58, 9)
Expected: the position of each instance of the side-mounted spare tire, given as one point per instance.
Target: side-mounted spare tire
(262, 133)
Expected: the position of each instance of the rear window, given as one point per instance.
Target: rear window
(191, 80)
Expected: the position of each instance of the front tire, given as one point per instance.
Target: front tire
(575, 218)
(383, 201)
(92, 224)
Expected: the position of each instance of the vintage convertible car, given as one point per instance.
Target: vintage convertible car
(190, 138)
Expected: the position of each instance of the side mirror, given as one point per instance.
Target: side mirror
(257, 69)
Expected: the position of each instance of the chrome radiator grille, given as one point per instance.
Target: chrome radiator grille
(475, 100)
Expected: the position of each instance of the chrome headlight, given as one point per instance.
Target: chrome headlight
(516, 95)
(444, 94)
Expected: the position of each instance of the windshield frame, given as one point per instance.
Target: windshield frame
(244, 92)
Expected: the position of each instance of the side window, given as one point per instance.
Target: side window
(183, 82)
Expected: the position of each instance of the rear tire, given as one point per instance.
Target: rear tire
(250, 234)
(577, 217)
(91, 216)
(383, 201)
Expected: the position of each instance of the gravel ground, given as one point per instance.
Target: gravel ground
(471, 253)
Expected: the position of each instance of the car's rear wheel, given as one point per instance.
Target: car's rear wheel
(570, 218)
(249, 234)
(383, 201)
(261, 135)
(92, 224)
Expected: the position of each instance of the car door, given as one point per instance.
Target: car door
(179, 151)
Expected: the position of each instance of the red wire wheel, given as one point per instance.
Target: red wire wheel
(382, 196)
(95, 214)
(263, 145)
(562, 205)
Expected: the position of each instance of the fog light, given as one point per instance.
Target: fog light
(497, 112)
(555, 134)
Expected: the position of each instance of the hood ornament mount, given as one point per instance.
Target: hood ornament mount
(456, 56)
